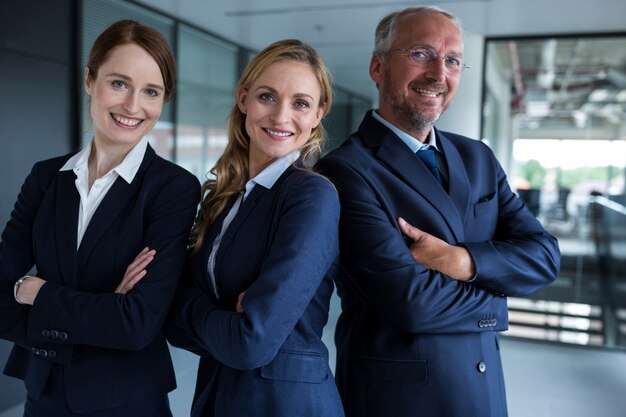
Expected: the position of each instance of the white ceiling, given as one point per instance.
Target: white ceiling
(342, 30)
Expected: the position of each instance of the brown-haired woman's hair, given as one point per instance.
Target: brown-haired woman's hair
(231, 169)
(131, 31)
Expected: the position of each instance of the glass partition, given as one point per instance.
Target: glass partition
(208, 71)
(554, 111)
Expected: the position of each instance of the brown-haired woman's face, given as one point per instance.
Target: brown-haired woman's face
(127, 95)
(281, 109)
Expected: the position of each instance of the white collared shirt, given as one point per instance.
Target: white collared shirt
(414, 144)
(90, 199)
(266, 178)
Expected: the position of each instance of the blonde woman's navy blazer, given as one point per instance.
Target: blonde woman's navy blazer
(269, 361)
(110, 347)
(411, 341)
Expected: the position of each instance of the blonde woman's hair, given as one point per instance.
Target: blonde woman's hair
(231, 169)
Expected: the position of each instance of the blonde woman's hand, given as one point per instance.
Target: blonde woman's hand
(239, 308)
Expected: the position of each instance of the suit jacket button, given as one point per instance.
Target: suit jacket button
(482, 367)
(43, 352)
(481, 323)
(35, 351)
(54, 334)
(494, 322)
(45, 333)
(52, 354)
(63, 336)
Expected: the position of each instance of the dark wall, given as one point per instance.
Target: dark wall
(37, 101)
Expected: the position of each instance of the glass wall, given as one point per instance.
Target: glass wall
(206, 82)
(192, 130)
(555, 109)
(345, 116)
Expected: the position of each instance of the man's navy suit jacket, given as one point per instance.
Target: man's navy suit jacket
(110, 347)
(269, 361)
(410, 340)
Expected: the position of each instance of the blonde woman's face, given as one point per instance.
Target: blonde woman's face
(281, 109)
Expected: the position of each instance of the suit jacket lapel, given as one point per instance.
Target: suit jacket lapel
(242, 214)
(110, 208)
(228, 237)
(201, 258)
(458, 185)
(66, 221)
(408, 167)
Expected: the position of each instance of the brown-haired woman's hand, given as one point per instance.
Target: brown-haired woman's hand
(136, 270)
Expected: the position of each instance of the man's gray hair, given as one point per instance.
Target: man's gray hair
(385, 31)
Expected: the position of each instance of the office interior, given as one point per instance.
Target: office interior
(546, 91)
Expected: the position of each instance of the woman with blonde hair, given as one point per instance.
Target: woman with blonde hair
(257, 296)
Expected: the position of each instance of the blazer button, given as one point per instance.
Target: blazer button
(54, 334)
(481, 323)
(45, 333)
(494, 322)
(52, 354)
(35, 351)
(482, 367)
(63, 336)
(43, 352)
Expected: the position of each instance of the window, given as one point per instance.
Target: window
(208, 70)
(554, 112)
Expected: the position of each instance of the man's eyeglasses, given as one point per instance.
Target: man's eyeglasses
(423, 56)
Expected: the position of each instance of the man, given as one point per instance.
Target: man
(428, 255)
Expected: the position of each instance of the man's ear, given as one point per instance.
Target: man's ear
(376, 68)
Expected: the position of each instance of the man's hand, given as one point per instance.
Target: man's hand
(434, 253)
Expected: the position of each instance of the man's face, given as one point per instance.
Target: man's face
(413, 95)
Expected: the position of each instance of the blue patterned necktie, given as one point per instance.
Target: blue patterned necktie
(429, 158)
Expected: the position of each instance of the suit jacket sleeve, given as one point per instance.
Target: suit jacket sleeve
(16, 255)
(522, 256)
(133, 320)
(304, 247)
(380, 269)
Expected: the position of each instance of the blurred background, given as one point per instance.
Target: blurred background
(546, 91)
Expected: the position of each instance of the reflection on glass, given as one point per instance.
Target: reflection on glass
(554, 112)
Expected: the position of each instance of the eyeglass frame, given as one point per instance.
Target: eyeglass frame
(431, 57)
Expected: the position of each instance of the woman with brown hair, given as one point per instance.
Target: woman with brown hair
(88, 324)
(257, 297)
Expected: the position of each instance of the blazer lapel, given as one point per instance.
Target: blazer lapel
(458, 186)
(242, 214)
(398, 158)
(66, 221)
(110, 208)
(201, 258)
